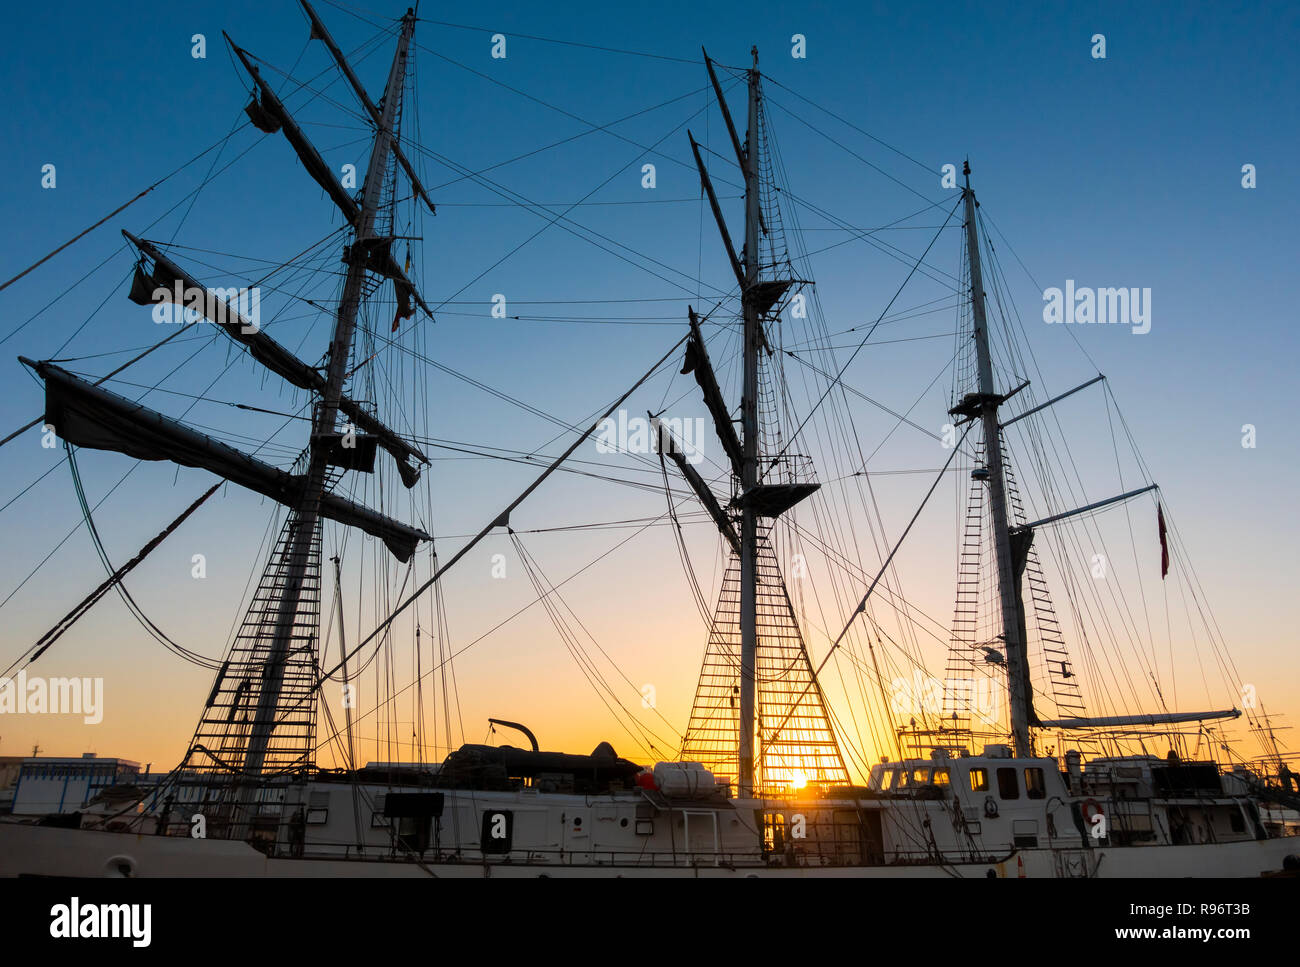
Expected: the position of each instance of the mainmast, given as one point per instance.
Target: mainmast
(306, 514)
(745, 781)
(985, 404)
(750, 680)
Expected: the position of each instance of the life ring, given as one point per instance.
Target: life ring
(990, 807)
(1091, 809)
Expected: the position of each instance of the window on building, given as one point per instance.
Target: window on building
(1008, 785)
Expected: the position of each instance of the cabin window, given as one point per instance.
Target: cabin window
(940, 776)
(1035, 784)
(920, 777)
(773, 831)
(979, 780)
(1008, 785)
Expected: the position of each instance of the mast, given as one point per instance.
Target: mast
(735, 653)
(986, 406)
(746, 781)
(323, 431)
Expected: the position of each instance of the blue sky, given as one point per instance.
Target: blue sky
(1123, 171)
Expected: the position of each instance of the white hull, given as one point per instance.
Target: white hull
(47, 851)
(978, 817)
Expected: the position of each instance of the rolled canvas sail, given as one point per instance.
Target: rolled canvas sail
(167, 275)
(90, 416)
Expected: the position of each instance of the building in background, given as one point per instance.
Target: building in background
(10, 766)
(62, 785)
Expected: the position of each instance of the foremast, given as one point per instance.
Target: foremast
(306, 514)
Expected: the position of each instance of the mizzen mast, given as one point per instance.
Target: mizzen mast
(1013, 539)
(983, 405)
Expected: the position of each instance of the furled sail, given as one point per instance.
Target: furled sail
(378, 253)
(320, 32)
(405, 289)
(697, 361)
(167, 275)
(262, 119)
(272, 109)
(90, 416)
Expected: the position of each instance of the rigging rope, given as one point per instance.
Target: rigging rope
(862, 605)
(116, 575)
(114, 580)
(82, 234)
(916, 265)
(504, 516)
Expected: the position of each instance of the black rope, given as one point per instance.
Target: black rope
(114, 579)
(117, 574)
(917, 264)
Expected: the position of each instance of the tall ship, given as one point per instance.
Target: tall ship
(995, 765)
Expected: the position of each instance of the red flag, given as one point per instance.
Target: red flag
(1164, 542)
